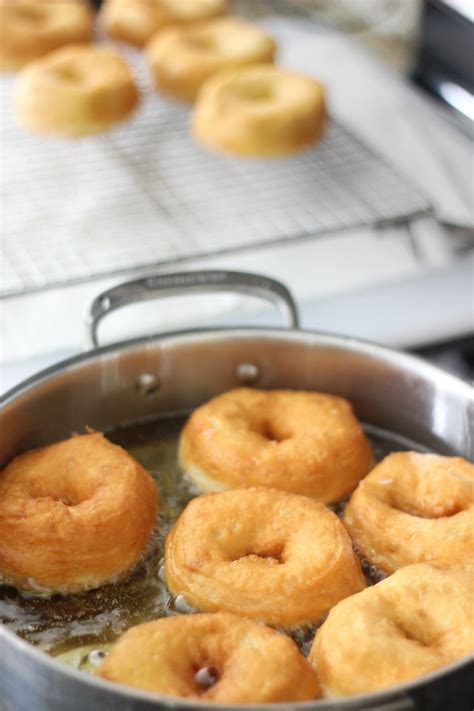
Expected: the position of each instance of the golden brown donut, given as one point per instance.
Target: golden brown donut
(73, 516)
(266, 554)
(304, 442)
(260, 110)
(75, 91)
(415, 508)
(213, 658)
(29, 29)
(410, 624)
(181, 59)
(136, 21)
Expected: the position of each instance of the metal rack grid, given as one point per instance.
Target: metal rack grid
(147, 194)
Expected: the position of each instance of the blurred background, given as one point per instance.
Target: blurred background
(371, 229)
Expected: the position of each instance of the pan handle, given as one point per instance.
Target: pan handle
(164, 285)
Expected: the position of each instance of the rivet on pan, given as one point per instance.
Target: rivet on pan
(105, 302)
(148, 384)
(247, 373)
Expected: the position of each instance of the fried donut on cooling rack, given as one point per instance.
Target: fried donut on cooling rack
(266, 554)
(259, 111)
(181, 59)
(213, 658)
(415, 508)
(303, 442)
(136, 21)
(73, 516)
(29, 29)
(410, 624)
(75, 91)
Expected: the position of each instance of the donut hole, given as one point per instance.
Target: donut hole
(206, 677)
(436, 513)
(67, 495)
(273, 554)
(423, 486)
(253, 90)
(66, 500)
(68, 73)
(201, 43)
(31, 14)
(428, 508)
(414, 633)
(407, 633)
(270, 432)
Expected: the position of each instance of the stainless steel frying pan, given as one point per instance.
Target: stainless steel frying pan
(174, 372)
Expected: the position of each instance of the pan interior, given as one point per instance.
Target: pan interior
(79, 629)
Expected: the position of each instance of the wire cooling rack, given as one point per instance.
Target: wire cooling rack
(147, 194)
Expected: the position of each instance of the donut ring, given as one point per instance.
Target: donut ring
(181, 59)
(260, 110)
(415, 508)
(303, 442)
(136, 21)
(73, 516)
(75, 91)
(266, 554)
(30, 29)
(410, 624)
(214, 658)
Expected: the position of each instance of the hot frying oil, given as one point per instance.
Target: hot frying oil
(79, 629)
